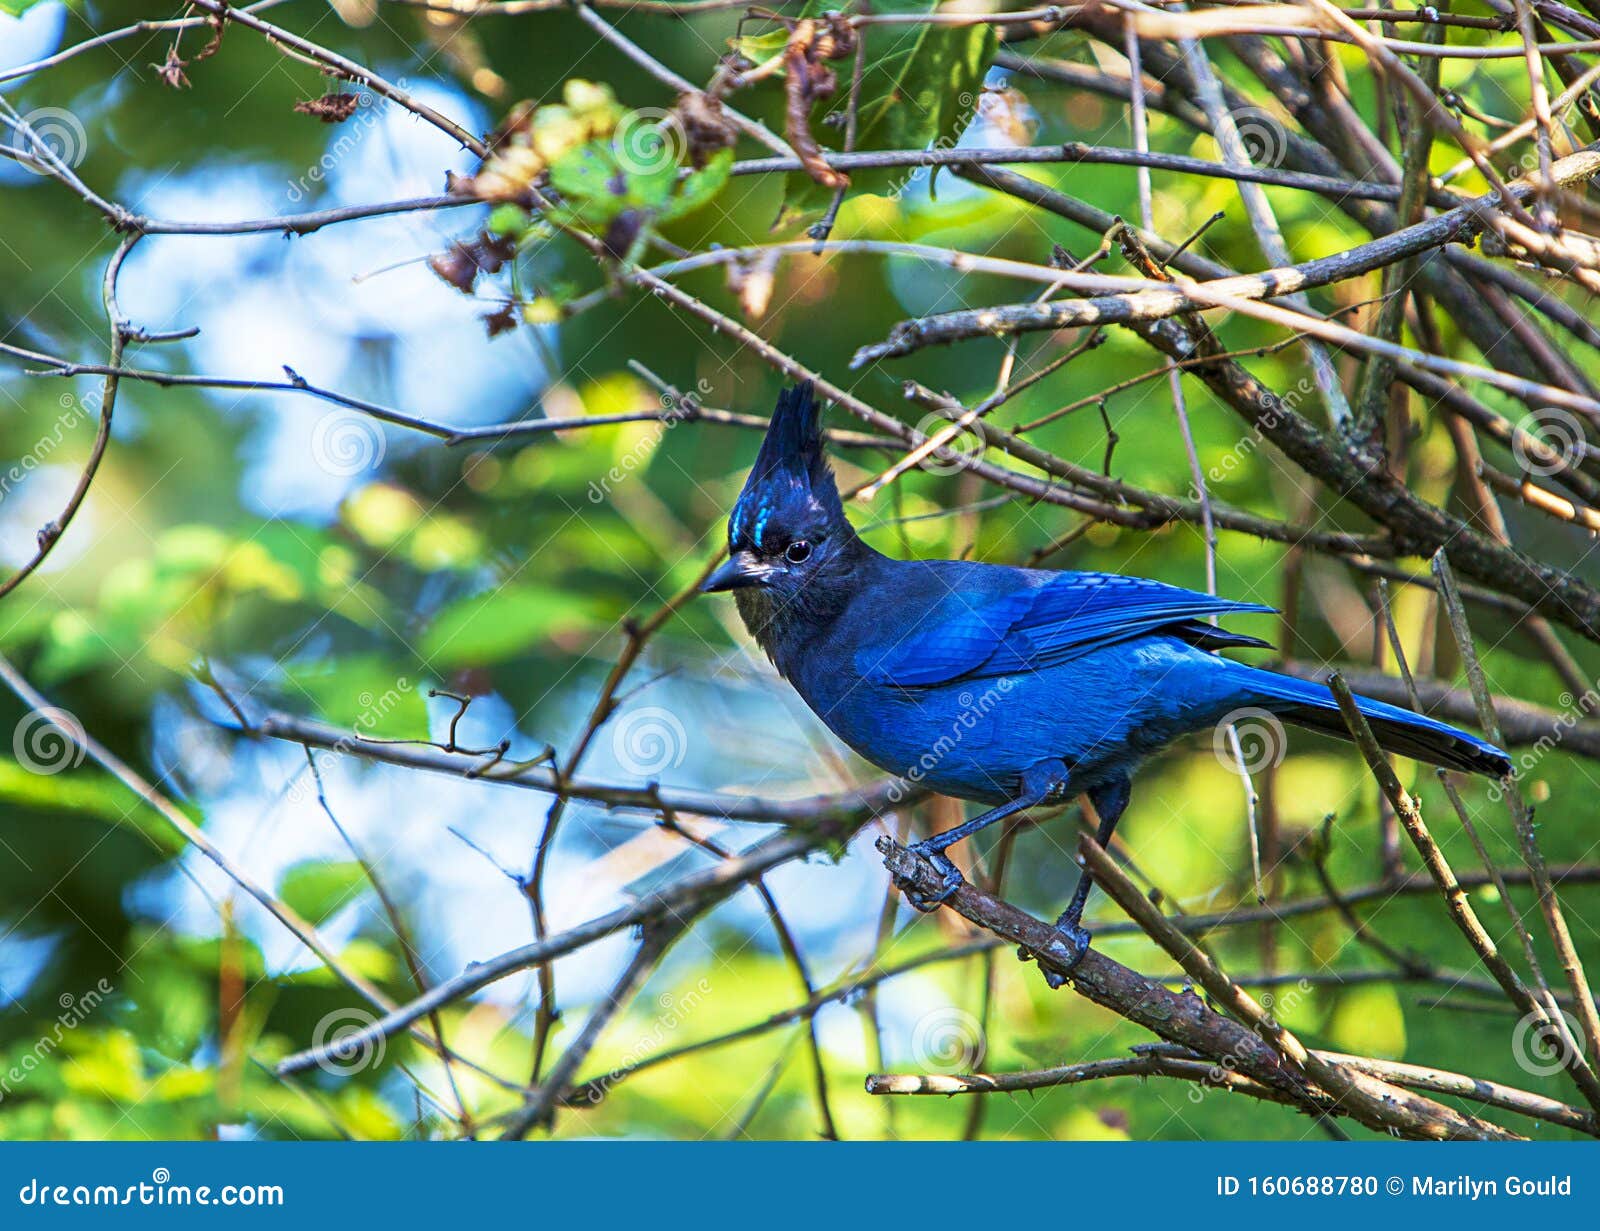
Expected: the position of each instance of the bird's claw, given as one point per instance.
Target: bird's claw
(1067, 945)
(952, 879)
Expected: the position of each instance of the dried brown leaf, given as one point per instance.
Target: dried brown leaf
(502, 321)
(218, 24)
(807, 79)
(461, 263)
(171, 69)
(705, 125)
(330, 108)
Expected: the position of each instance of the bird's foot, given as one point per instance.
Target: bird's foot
(952, 879)
(1066, 947)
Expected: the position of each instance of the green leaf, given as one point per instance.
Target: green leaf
(636, 169)
(499, 624)
(318, 889)
(592, 187)
(648, 161)
(699, 187)
(74, 646)
(1369, 1020)
(759, 48)
(508, 220)
(919, 87)
(366, 693)
(83, 792)
(107, 1065)
(587, 171)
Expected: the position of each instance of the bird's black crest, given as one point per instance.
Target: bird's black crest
(791, 480)
(794, 436)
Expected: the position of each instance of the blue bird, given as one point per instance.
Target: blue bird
(1011, 687)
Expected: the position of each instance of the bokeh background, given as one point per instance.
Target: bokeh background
(315, 562)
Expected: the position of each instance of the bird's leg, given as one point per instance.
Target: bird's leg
(932, 849)
(1036, 787)
(1109, 801)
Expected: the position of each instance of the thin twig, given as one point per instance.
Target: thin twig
(1521, 816)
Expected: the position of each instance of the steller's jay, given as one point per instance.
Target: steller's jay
(1007, 686)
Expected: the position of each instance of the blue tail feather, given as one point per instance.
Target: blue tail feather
(1400, 731)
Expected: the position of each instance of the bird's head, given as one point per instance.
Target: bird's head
(788, 528)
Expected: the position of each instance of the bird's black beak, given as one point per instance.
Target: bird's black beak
(738, 571)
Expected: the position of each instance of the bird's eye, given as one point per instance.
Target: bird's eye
(798, 552)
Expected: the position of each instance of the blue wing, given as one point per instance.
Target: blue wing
(1036, 624)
